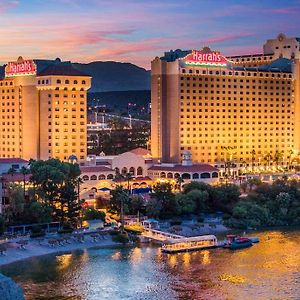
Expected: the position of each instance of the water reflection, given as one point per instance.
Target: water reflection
(268, 270)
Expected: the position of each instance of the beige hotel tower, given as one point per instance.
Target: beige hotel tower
(43, 114)
(206, 103)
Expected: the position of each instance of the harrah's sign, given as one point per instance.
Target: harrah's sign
(20, 68)
(205, 58)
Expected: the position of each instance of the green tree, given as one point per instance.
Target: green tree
(248, 214)
(39, 213)
(278, 156)
(24, 171)
(227, 195)
(153, 208)
(119, 203)
(93, 214)
(253, 182)
(186, 204)
(200, 198)
(267, 158)
(16, 202)
(163, 193)
(253, 153)
(195, 185)
(137, 205)
(179, 182)
(11, 171)
(55, 184)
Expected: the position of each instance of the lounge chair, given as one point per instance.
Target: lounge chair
(52, 243)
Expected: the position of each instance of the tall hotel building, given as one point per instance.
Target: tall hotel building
(210, 105)
(43, 114)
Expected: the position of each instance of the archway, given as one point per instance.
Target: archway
(205, 175)
(186, 176)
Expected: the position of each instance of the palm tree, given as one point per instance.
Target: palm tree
(124, 177)
(290, 154)
(128, 177)
(278, 157)
(268, 158)
(228, 159)
(11, 171)
(253, 153)
(24, 171)
(2, 180)
(179, 182)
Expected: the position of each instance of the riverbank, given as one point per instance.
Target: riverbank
(36, 248)
(196, 229)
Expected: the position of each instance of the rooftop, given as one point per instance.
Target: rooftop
(188, 169)
(140, 151)
(13, 161)
(95, 169)
(17, 177)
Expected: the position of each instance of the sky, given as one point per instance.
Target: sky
(137, 31)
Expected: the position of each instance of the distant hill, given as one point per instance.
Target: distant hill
(107, 75)
(118, 100)
(115, 76)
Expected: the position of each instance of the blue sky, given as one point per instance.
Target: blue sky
(138, 30)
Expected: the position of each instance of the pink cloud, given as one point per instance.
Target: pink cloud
(7, 4)
(285, 11)
(226, 38)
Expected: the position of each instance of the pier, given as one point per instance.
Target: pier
(160, 235)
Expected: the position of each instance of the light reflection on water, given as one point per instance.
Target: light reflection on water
(268, 270)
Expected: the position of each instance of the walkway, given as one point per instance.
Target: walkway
(160, 235)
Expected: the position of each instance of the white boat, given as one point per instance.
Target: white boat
(189, 244)
(253, 239)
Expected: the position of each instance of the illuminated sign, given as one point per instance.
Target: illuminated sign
(205, 58)
(20, 68)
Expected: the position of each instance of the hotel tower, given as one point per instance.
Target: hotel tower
(43, 114)
(239, 108)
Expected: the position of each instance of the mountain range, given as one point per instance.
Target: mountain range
(107, 75)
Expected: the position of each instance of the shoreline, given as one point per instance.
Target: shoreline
(34, 249)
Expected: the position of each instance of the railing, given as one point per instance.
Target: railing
(159, 235)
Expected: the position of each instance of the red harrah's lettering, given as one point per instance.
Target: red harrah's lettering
(26, 67)
(205, 57)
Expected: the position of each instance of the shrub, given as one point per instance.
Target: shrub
(93, 214)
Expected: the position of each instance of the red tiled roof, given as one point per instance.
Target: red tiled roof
(142, 178)
(17, 177)
(140, 151)
(13, 161)
(95, 169)
(188, 169)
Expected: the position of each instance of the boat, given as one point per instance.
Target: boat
(236, 242)
(254, 239)
(189, 244)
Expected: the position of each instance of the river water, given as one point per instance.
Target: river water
(267, 270)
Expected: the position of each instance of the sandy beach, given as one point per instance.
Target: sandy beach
(38, 248)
